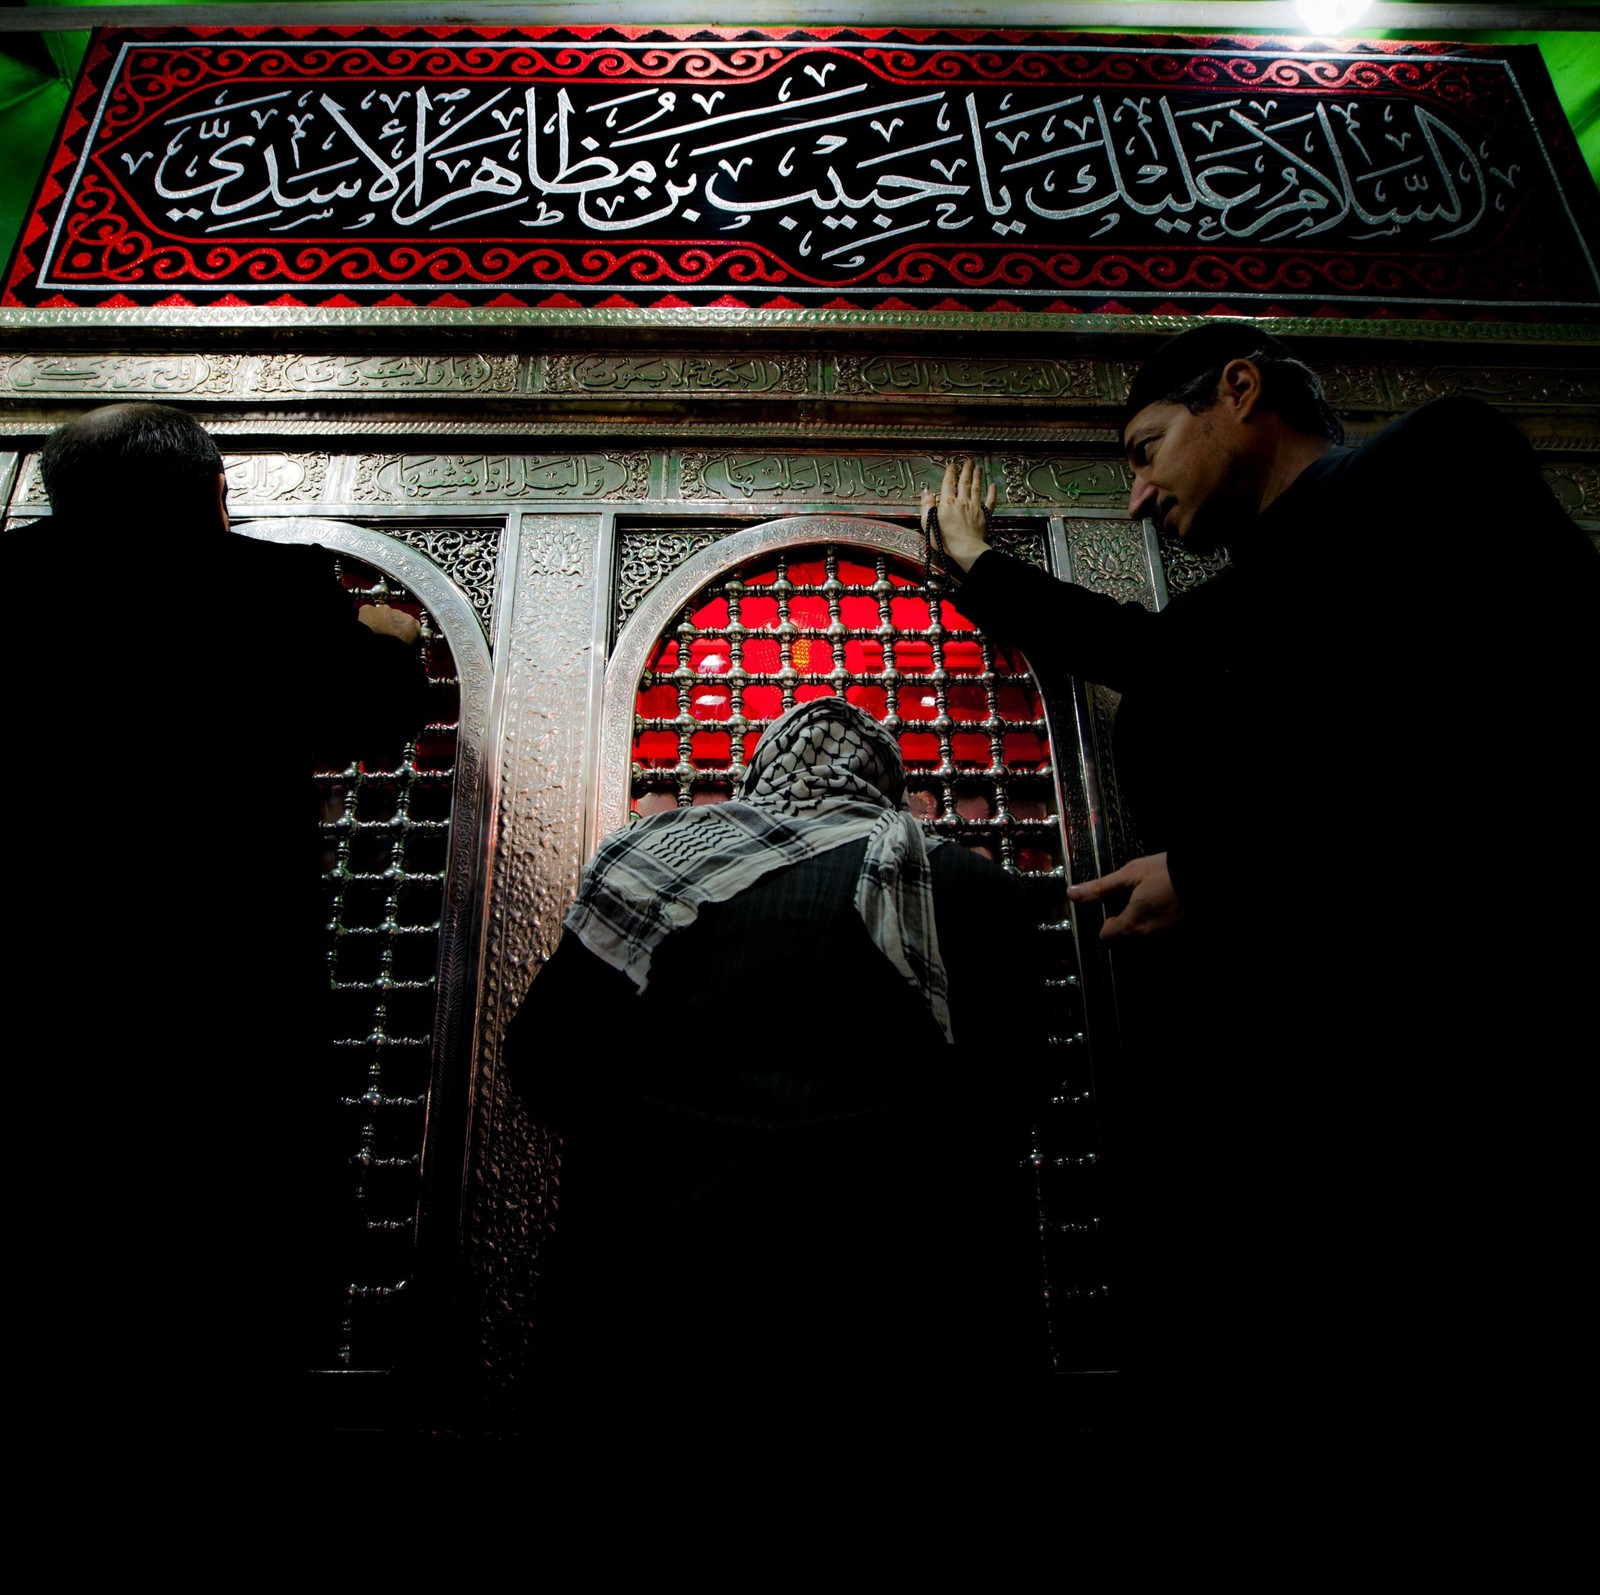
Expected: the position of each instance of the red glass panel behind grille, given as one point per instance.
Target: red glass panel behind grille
(820, 621)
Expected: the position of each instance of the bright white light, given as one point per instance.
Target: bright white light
(712, 663)
(1329, 18)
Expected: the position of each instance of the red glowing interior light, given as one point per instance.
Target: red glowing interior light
(657, 750)
(658, 703)
(967, 703)
(711, 750)
(810, 653)
(985, 692)
(761, 655)
(963, 658)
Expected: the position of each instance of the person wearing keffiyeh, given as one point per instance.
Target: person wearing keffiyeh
(790, 1042)
(824, 774)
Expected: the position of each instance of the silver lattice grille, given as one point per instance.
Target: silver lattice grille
(385, 845)
(973, 733)
(819, 621)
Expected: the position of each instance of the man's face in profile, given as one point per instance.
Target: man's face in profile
(1186, 475)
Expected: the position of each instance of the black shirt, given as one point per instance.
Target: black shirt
(1364, 746)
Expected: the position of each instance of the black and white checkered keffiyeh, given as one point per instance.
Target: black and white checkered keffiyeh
(824, 774)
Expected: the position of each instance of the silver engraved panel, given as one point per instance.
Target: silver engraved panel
(549, 682)
(500, 478)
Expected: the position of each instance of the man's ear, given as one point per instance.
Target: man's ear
(222, 499)
(1240, 387)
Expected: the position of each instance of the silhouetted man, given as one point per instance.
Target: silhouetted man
(179, 685)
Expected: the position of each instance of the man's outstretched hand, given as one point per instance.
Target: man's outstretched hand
(389, 622)
(1139, 898)
(961, 503)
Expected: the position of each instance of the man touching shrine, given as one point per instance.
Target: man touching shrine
(1354, 946)
(179, 685)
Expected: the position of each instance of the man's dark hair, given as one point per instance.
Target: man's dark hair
(139, 459)
(1187, 369)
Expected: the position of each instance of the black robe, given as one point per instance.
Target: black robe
(775, 1169)
(174, 689)
(1364, 746)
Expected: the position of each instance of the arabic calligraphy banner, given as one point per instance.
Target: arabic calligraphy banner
(824, 170)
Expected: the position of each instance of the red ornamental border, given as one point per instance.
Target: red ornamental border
(995, 268)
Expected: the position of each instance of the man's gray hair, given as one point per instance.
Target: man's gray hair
(134, 456)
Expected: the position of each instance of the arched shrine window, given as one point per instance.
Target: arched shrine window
(810, 622)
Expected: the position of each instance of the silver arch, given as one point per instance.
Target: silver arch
(613, 786)
(454, 614)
